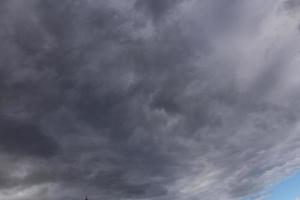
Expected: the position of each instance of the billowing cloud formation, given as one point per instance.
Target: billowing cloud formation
(146, 99)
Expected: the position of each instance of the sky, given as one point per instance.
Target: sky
(148, 99)
(287, 189)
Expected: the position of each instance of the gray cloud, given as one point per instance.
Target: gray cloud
(146, 100)
(156, 9)
(22, 138)
(292, 4)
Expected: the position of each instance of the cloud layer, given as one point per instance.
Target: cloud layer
(147, 99)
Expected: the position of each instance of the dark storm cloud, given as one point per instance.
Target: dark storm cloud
(145, 99)
(156, 9)
(21, 138)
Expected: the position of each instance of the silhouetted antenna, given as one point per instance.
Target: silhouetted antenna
(86, 198)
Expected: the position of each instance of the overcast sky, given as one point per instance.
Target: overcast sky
(148, 99)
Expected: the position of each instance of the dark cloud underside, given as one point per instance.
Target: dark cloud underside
(147, 99)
